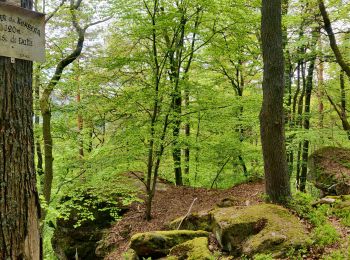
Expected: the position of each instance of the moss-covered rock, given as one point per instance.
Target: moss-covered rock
(330, 170)
(263, 228)
(130, 255)
(195, 249)
(158, 243)
(195, 221)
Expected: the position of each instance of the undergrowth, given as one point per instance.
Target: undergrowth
(323, 232)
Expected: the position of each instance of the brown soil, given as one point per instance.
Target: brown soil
(172, 202)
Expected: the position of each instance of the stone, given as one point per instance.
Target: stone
(195, 221)
(329, 170)
(263, 228)
(192, 250)
(227, 202)
(158, 243)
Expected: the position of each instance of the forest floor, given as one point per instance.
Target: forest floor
(171, 202)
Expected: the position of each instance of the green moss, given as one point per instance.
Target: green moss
(342, 208)
(159, 243)
(325, 235)
(195, 221)
(264, 228)
(193, 250)
(130, 255)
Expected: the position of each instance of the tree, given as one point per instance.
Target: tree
(332, 40)
(45, 100)
(19, 204)
(272, 113)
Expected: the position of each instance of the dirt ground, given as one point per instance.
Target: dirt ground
(171, 202)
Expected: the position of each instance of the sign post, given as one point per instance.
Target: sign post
(22, 33)
(22, 40)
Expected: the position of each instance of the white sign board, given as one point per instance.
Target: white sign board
(22, 33)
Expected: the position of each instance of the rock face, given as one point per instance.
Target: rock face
(69, 240)
(330, 170)
(263, 228)
(158, 244)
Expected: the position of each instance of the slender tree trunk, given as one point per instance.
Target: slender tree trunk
(187, 134)
(48, 143)
(320, 89)
(45, 100)
(344, 116)
(197, 147)
(176, 136)
(19, 203)
(272, 112)
(305, 150)
(332, 40)
(80, 123)
(39, 153)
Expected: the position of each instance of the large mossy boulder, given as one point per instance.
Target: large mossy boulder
(263, 228)
(158, 244)
(194, 249)
(194, 221)
(86, 219)
(329, 170)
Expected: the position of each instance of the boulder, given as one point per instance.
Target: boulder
(195, 221)
(192, 250)
(158, 244)
(263, 228)
(329, 170)
(81, 229)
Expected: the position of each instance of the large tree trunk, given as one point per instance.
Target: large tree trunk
(19, 204)
(272, 114)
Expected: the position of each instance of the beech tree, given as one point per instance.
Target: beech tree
(272, 113)
(19, 203)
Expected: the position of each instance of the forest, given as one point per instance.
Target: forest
(178, 129)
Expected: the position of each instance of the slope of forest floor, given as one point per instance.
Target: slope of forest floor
(171, 202)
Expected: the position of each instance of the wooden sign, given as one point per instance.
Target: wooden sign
(22, 33)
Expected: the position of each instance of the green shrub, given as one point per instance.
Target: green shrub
(325, 235)
(301, 203)
(344, 215)
(337, 255)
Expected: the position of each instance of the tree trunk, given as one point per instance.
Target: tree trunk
(272, 113)
(332, 39)
(320, 89)
(305, 151)
(80, 123)
(39, 154)
(19, 203)
(48, 143)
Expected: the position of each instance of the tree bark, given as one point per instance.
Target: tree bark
(19, 203)
(305, 151)
(272, 113)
